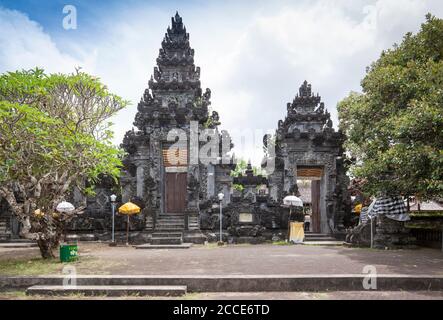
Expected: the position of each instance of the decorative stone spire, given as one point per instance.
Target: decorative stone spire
(175, 95)
(249, 171)
(305, 101)
(249, 179)
(307, 111)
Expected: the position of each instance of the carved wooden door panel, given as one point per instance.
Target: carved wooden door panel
(175, 192)
(315, 199)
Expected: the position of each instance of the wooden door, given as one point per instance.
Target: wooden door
(175, 192)
(315, 199)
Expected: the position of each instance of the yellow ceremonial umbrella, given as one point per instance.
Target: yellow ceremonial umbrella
(128, 209)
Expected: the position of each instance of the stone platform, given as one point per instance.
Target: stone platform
(108, 290)
(179, 284)
(18, 245)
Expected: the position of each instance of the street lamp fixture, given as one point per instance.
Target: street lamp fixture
(65, 207)
(113, 199)
(220, 198)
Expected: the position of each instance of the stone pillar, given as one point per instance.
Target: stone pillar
(140, 181)
(211, 181)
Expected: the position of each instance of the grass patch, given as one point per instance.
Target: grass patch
(30, 267)
(191, 296)
(213, 245)
(39, 266)
(13, 295)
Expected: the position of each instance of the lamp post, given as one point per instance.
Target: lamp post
(63, 207)
(220, 198)
(113, 198)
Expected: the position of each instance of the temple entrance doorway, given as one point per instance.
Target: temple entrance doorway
(309, 183)
(175, 162)
(175, 192)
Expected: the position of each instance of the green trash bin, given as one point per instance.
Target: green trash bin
(68, 252)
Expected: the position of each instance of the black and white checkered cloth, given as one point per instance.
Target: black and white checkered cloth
(392, 207)
(363, 215)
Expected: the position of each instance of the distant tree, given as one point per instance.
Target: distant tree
(54, 135)
(395, 127)
(240, 168)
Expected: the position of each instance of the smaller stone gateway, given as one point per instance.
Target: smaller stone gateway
(307, 147)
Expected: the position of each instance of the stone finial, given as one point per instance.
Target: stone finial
(249, 171)
(305, 90)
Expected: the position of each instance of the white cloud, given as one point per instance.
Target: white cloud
(24, 45)
(254, 58)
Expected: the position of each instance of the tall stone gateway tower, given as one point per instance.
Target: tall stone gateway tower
(163, 171)
(308, 148)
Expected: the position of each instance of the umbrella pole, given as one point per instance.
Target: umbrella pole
(289, 223)
(127, 232)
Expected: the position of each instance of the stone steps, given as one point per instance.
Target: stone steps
(170, 224)
(321, 239)
(167, 234)
(166, 240)
(194, 223)
(4, 234)
(111, 290)
(81, 237)
(170, 220)
(172, 216)
(241, 283)
(312, 234)
(169, 229)
(18, 245)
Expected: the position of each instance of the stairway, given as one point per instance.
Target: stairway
(168, 230)
(4, 234)
(312, 238)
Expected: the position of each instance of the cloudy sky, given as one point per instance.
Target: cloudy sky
(254, 55)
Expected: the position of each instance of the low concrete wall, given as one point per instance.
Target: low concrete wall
(245, 283)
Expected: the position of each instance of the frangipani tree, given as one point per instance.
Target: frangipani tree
(54, 135)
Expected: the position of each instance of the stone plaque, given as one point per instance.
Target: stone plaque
(245, 217)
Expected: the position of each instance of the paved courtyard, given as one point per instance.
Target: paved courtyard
(99, 258)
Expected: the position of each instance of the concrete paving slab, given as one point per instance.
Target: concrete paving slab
(267, 259)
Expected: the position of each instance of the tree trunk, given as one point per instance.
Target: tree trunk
(47, 248)
(46, 231)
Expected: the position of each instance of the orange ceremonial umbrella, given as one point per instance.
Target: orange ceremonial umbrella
(129, 209)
